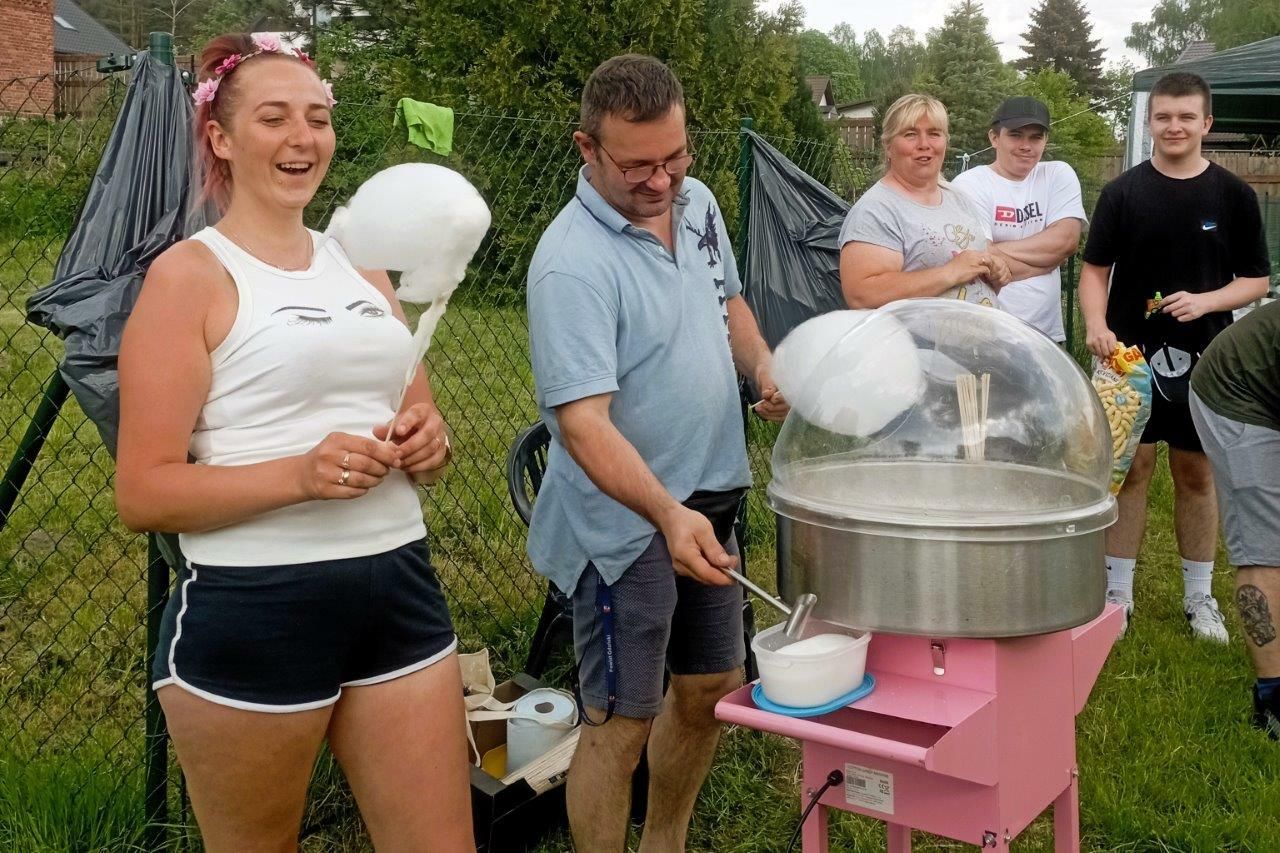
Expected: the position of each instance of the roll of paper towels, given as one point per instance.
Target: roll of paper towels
(540, 719)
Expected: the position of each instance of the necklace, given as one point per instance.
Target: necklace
(243, 244)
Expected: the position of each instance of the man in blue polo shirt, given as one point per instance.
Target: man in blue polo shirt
(636, 325)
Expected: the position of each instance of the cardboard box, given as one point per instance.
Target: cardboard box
(513, 816)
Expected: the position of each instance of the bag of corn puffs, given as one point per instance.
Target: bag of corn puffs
(1123, 383)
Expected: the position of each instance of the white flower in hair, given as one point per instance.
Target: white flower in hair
(422, 220)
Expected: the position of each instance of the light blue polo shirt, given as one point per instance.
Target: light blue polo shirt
(612, 311)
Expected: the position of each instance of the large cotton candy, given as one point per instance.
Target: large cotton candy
(420, 219)
(849, 372)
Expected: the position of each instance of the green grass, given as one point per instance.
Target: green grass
(1168, 761)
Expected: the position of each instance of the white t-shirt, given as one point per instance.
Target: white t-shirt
(1018, 209)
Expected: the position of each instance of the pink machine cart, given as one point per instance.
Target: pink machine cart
(964, 738)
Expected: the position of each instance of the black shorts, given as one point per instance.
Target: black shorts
(289, 638)
(1171, 423)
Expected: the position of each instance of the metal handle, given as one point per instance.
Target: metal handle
(742, 579)
(797, 615)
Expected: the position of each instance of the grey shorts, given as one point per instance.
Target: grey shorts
(661, 621)
(1246, 473)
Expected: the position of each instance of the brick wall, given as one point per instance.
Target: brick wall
(26, 52)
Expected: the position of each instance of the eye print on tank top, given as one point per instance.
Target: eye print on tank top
(365, 308)
(305, 316)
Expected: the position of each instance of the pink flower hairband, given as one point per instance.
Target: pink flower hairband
(265, 43)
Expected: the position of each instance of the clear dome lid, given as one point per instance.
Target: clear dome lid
(937, 412)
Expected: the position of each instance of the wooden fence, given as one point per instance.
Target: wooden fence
(858, 133)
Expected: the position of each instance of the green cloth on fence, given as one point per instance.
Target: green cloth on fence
(430, 126)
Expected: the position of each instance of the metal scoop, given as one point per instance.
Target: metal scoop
(797, 614)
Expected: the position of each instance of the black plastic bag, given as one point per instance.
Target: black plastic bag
(793, 254)
(136, 207)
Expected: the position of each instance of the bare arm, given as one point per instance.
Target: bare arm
(1094, 281)
(752, 358)
(1186, 306)
(1040, 253)
(871, 275)
(164, 380)
(1046, 250)
(617, 469)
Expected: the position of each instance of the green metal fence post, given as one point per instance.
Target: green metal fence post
(744, 193)
(156, 803)
(55, 394)
(1070, 285)
(160, 46)
(741, 528)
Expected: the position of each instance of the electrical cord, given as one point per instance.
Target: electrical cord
(835, 777)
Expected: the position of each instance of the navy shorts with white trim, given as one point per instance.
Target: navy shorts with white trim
(289, 638)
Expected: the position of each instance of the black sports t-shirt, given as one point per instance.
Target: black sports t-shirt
(1163, 235)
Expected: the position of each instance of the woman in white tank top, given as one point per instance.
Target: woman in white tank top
(258, 374)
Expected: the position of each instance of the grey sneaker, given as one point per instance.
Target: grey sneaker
(1114, 596)
(1205, 618)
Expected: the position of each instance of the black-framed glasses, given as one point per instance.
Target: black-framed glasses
(674, 167)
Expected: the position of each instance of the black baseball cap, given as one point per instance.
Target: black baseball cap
(1021, 112)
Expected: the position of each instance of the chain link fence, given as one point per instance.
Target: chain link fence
(74, 598)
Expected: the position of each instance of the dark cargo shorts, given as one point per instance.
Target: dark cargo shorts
(661, 621)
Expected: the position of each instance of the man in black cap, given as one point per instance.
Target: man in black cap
(1032, 209)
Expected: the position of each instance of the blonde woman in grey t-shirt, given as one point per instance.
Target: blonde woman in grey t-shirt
(911, 234)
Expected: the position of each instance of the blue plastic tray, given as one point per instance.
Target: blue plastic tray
(868, 684)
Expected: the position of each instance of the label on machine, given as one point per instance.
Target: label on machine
(867, 788)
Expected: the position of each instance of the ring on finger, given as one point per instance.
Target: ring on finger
(346, 475)
(346, 461)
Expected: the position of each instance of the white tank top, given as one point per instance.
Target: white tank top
(310, 353)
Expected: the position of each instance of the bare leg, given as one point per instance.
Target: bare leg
(247, 771)
(599, 786)
(1124, 538)
(1258, 600)
(681, 749)
(1195, 507)
(402, 745)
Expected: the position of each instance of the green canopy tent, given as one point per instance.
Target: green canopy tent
(1246, 93)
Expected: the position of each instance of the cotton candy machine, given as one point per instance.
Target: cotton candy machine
(942, 480)
(944, 471)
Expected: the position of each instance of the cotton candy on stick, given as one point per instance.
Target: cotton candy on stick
(424, 221)
(849, 372)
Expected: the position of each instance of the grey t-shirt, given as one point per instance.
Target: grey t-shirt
(611, 311)
(927, 236)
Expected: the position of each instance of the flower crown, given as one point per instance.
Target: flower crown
(265, 43)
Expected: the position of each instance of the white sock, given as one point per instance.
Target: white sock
(1120, 576)
(1197, 577)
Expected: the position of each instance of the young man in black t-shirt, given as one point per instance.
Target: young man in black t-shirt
(1187, 232)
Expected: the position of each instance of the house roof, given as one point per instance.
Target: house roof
(1195, 50)
(74, 31)
(1245, 81)
(848, 105)
(819, 87)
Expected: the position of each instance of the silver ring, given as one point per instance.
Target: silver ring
(346, 461)
(346, 475)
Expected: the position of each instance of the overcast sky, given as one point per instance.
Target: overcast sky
(1009, 18)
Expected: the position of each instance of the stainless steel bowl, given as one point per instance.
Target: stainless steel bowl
(944, 549)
